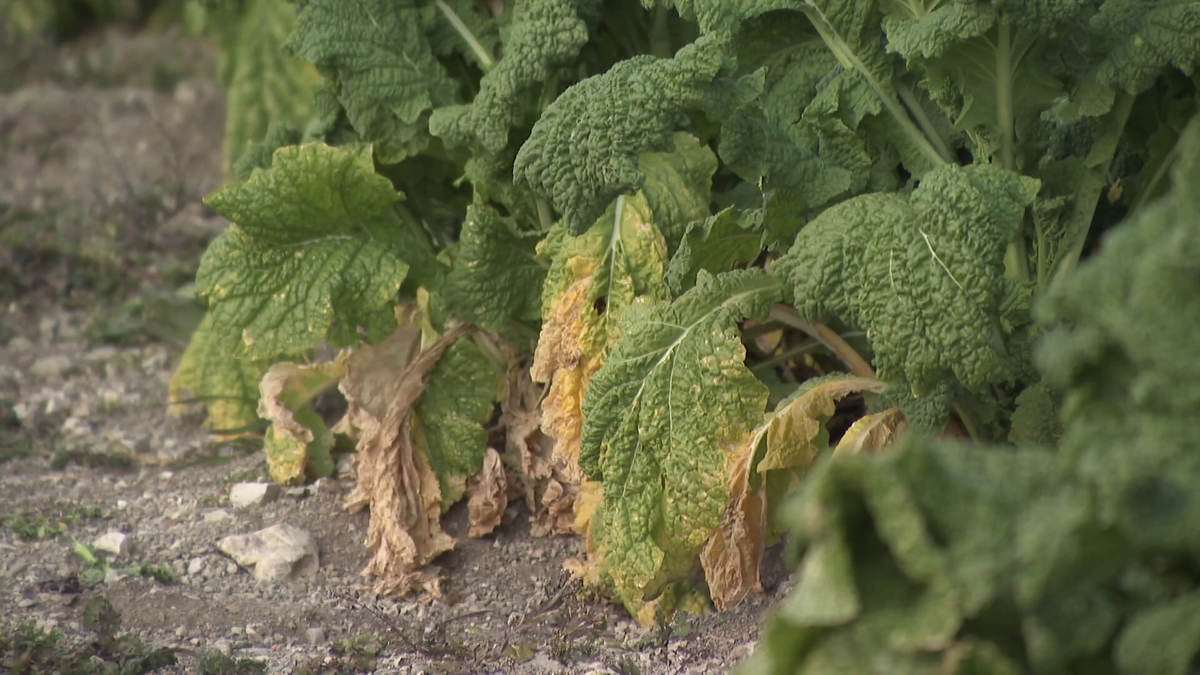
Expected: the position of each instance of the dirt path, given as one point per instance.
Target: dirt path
(105, 151)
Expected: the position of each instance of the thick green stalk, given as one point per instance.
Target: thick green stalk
(486, 62)
(1098, 161)
(849, 59)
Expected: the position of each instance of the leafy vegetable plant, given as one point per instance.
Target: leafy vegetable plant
(658, 254)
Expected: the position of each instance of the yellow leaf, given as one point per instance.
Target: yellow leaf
(796, 433)
(298, 442)
(873, 432)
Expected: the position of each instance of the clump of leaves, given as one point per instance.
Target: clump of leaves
(650, 250)
(97, 568)
(216, 663)
(1029, 559)
(35, 526)
(27, 649)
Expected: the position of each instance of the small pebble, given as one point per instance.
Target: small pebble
(116, 543)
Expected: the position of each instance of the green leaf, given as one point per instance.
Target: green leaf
(497, 276)
(716, 244)
(543, 37)
(227, 384)
(1036, 419)
(923, 275)
(850, 30)
(260, 153)
(1141, 40)
(379, 64)
(678, 185)
(916, 30)
(449, 417)
(660, 416)
(1000, 83)
(316, 253)
(262, 84)
(581, 155)
(773, 142)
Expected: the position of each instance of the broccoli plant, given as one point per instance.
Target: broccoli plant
(645, 265)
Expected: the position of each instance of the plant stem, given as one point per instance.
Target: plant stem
(545, 214)
(826, 336)
(1098, 161)
(485, 59)
(967, 420)
(918, 112)
(849, 59)
(787, 356)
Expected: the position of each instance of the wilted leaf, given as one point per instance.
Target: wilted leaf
(549, 494)
(662, 416)
(732, 558)
(298, 442)
(395, 478)
(794, 434)
(593, 279)
(488, 498)
(872, 432)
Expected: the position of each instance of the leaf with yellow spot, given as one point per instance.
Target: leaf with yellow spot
(796, 433)
(790, 439)
(210, 373)
(593, 279)
(298, 443)
(316, 253)
(873, 432)
(663, 415)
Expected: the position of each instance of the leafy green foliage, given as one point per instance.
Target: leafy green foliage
(544, 36)
(263, 85)
(581, 156)
(379, 65)
(1029, 560)
(450, 415)
(923, 274)
(497, 276)
(673, 217)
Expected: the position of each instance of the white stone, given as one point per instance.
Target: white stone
(51, 366)
(244, 495)
(277, 553)
(217, 516)
(116, 543)
(196, 566)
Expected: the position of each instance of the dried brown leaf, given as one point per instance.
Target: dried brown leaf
(549, 493)
(488, 492)
(732, 558)
(395, 479)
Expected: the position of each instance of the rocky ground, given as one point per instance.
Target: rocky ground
(106, 147)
